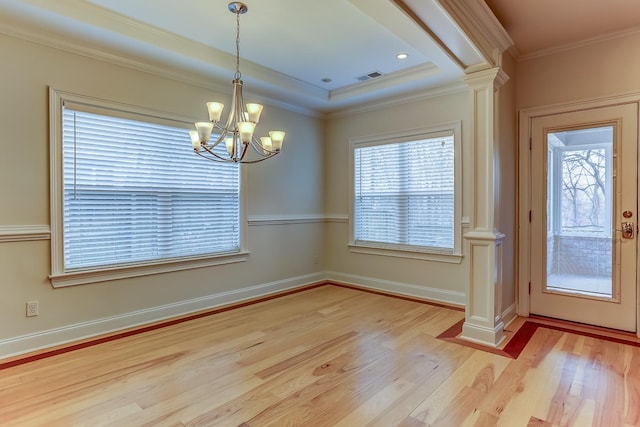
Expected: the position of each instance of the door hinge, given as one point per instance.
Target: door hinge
(530, 143)
(529, 288)
(529, 216)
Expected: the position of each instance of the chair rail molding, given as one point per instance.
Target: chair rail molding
(24, 233)
(276, 219)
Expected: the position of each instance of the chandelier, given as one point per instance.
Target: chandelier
(237, 133)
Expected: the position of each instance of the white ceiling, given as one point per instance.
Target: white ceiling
(288, 46)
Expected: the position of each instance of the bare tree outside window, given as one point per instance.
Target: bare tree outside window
(583, 191)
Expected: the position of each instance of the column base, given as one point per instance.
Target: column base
(491, 337)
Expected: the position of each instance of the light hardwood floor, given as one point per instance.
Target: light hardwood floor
(327, 356)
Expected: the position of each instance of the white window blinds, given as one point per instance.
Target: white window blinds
(404, 193)
(135, 192)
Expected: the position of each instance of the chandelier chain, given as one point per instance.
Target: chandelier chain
(238, 74)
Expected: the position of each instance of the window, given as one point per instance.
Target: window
(129, 192)
(405, 194)
(579, 182)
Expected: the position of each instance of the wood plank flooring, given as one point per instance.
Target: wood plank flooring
(327, 356)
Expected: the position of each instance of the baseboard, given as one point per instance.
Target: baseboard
(80, 331)
(424, 292)
(509, 314)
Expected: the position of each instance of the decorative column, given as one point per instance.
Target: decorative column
(483, 318)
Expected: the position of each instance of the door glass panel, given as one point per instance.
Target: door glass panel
(579, 211)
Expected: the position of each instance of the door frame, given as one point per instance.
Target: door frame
(525, 121)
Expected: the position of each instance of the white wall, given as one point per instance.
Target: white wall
(424, 278)
(288, 185)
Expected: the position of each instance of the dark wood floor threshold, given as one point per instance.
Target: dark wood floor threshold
(521, 337)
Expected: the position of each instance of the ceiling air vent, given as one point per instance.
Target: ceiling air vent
(370, 76)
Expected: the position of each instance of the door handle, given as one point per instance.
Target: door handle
(627, 230)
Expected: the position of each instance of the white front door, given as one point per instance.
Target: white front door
(584, 169)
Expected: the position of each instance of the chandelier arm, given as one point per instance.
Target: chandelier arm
(244, 151)
(238, 102)
(223, 133)
(259, 148)
(240, 148)
(248, 162)
(217, 157)
(213, 159)
(232, 119)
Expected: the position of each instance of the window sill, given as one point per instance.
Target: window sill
(84, 277)
(409, 253)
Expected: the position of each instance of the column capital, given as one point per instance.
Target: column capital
(484, 78)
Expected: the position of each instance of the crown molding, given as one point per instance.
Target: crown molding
(415, 96)
(629, 32)
(481, 26)
(416, 73)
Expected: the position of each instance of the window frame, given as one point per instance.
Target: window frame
(60, 277)
(409, 251)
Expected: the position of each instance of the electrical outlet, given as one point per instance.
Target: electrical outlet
(32, 308)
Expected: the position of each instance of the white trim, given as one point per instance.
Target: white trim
(400, 252)
(481, 27)
(582, 43)
(408, 289)
(491, 337)
(430, 93)
(65, 334)
(254, 220)
(24, 233)
(62, 280)
(509, 314)
(483, 323)
(577, 105)
(337, 218)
